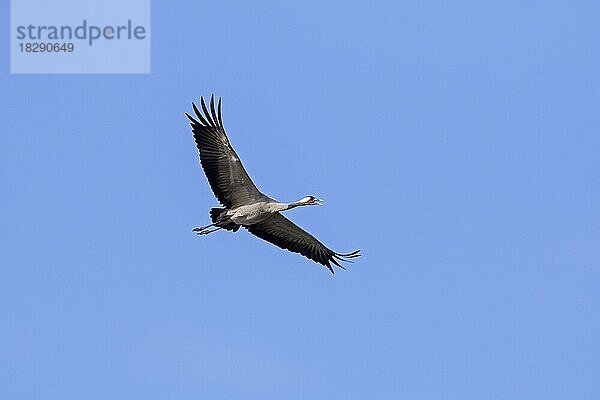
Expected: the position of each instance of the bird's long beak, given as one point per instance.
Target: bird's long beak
(319, 201)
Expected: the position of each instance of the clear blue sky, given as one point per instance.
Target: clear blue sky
(456, 143)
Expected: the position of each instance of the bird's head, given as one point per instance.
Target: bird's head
(310, 200)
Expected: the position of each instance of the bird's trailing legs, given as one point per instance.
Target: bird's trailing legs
(203, 230)
(208, 231)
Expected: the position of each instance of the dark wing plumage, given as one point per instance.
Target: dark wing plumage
(284, 233)
(226, 175)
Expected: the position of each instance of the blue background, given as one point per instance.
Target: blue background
(455, 143)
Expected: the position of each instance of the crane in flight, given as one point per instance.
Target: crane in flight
(245, 205)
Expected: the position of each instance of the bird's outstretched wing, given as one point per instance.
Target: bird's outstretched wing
(226, 175)
(284, 233)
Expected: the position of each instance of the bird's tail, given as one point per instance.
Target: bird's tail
(217, 218)
(215, 213)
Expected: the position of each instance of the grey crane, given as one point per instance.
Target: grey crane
(245, 205)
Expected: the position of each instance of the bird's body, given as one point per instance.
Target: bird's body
(253, 213)
(243, 204)
(250, 214)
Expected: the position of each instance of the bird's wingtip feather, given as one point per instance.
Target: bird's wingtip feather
(192, 119)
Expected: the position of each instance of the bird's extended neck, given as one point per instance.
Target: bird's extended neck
(305, 201)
